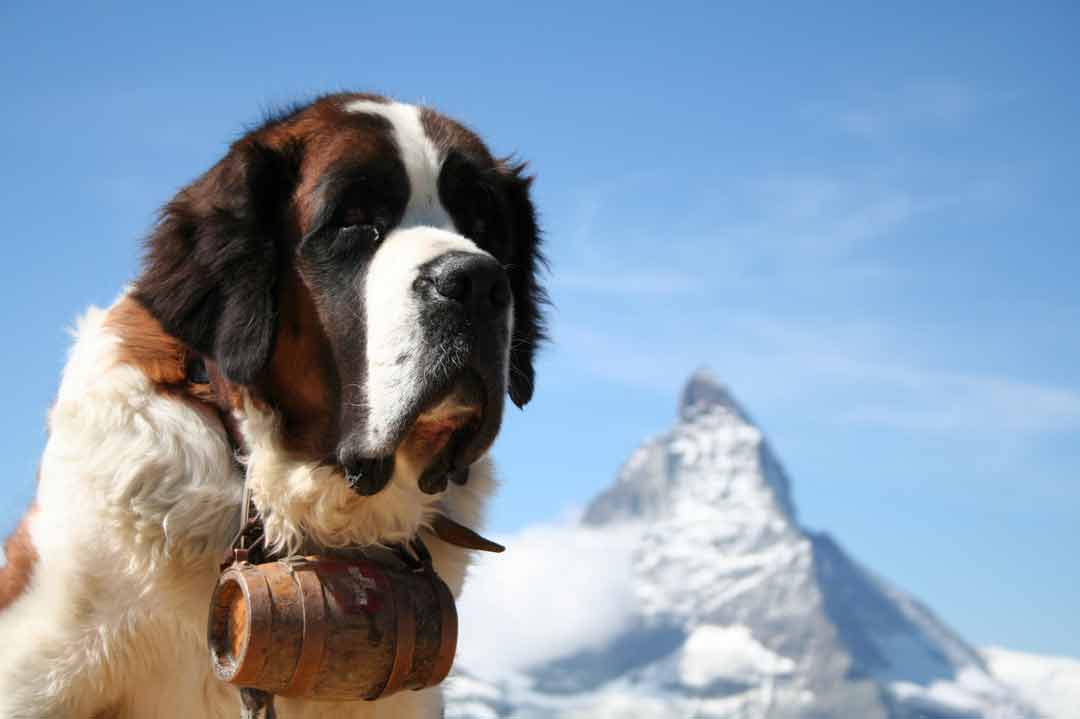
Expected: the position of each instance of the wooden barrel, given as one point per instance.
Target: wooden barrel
(331, 629)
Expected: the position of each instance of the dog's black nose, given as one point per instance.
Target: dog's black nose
(476, 281)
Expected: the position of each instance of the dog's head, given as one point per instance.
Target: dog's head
(367, 270)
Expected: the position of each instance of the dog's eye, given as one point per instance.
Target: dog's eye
(372, 232)
(353, 216)
(362, 222)
(342, 244)
(352, 241)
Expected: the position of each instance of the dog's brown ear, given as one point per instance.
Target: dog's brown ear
(523, 269)
(210, 269)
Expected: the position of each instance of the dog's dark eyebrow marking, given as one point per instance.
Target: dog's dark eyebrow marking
(380, 178)
(332, 188)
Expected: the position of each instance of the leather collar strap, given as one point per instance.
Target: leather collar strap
(247, 546)
(459, 535)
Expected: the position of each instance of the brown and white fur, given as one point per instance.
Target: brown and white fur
(303, 265)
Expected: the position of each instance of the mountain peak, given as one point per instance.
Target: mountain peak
(713, 457)
(704, 393)
(732, 608)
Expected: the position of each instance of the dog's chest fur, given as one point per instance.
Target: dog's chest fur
(138, 491)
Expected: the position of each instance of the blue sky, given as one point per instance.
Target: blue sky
(865, 221)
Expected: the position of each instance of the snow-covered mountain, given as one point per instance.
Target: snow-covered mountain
(735, 609)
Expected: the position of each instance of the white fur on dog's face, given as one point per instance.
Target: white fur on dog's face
(399, 364)
(395, 335)
(425, 232)
(421, 158)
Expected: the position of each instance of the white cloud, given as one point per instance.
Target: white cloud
(925, 103)
(854, 372)
(717, 653)
(948, 402)
(866, 360)
(769, 279)
(792, 219)
(1050, 684)
(558, 588)
(791, 228)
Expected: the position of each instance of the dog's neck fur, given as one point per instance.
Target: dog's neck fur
(138, 497)
(303, 500)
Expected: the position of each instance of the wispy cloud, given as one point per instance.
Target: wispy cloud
(770, 279)
(851, 373)
(927, 103)
(882, 387)
(782, 226)
(958, 403)
(822, 217)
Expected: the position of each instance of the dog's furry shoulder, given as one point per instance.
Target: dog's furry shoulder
(103, 599)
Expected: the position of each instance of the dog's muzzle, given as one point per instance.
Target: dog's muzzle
(463, 300)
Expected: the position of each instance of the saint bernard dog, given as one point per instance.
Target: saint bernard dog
(360, 276)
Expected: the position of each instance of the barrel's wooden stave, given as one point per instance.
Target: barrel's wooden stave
(340, 640)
